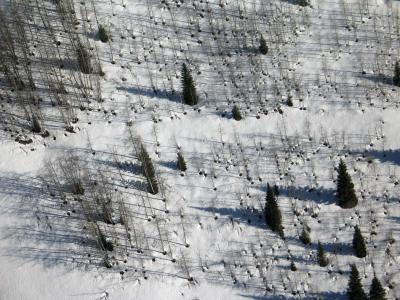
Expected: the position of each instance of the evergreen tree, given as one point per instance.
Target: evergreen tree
(303, 2)
(293, 266)
(181, 162)
(263, 46)
(376, 291)
(322, 260)
(289, 101)
(358, 243)
(355, 290)
(345, 188)
(236, 113)
(148, 171)
(273, 215)
(36, 127)
(189, 91)
(103, 34)
(305, 236)
(396, 77)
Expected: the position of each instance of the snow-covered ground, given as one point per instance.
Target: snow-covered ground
(203, 236)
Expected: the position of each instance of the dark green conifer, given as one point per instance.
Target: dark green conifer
(148, 170)
(263, 46)
(36, 127)
(346, 196)
(293, 266)
(305, 236)
(376, 291)
(289, 101)
(273, 215)
(189, 94)
(303, 2)
(396, 77)
(322, 260)
(103, 34)
(181, 163)
(236, 113)
(355, 290)
(359, 244)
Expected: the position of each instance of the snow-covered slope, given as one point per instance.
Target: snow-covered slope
(203, 236)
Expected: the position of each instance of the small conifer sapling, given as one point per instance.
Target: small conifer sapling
(305, 236)
(289, 101)
(181, 163)
(263, 46)
(103, 34)
(236, 113)
(322, 260)
(303, 2)
(396, 77)
(36, 127)
(293, 266)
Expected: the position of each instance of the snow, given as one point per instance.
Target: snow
(209, 221)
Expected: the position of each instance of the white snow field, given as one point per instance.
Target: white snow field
(203, 235)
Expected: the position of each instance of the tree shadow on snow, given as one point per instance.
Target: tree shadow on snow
(327, 296)
(317, 195)
(292, 2)
(263, 297)
(168, 164)
(43, 231)
(329, 247)
(244, 216)
(151, 93)
(313, 296)
(392, 156)
(377, 78)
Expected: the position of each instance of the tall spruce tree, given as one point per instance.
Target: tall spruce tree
(355, 290)
(396, 77)
(322, 260)
(346, 195)
(263, 48)
(272, 213)
(376, 291)
(148, 170)
(359, 244)
(189, 95)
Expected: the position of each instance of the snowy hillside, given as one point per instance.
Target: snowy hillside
(85, 213)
